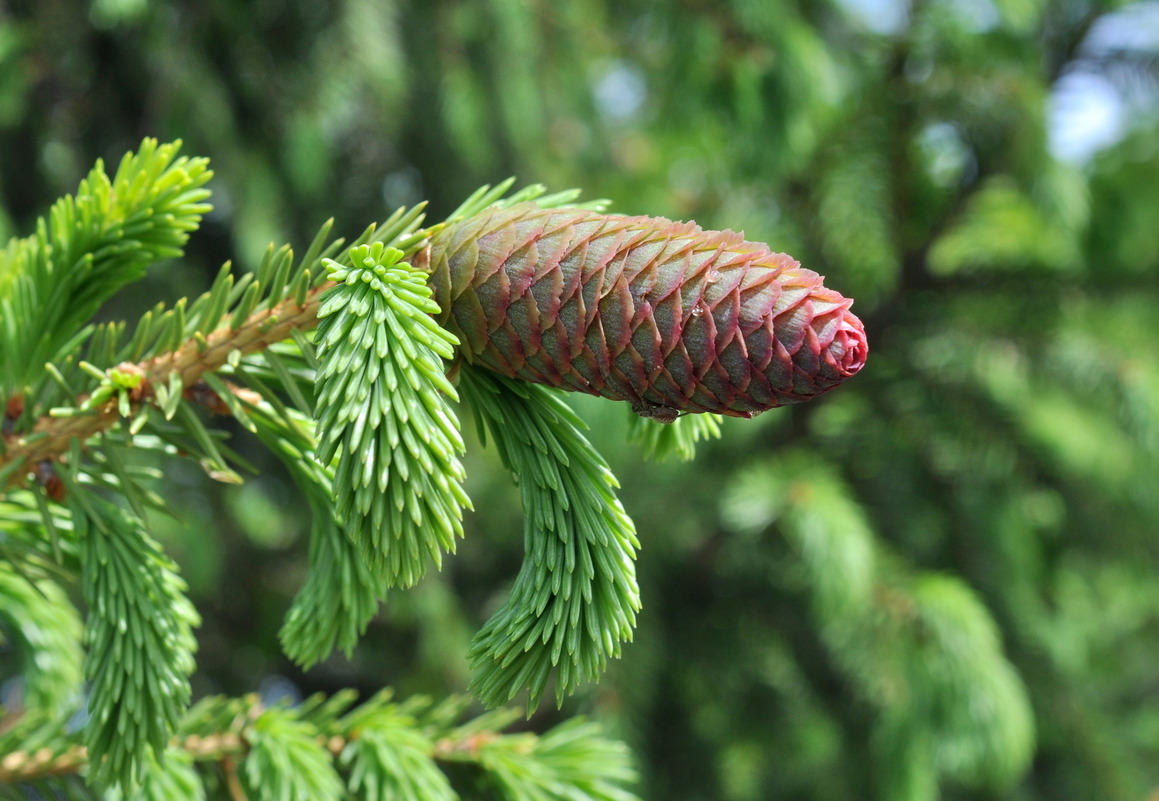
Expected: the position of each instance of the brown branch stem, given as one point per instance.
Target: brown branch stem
(224, 747)
(50, 436)
(23, 766)
(232, 780)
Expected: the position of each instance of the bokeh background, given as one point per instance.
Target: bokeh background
(938, 582)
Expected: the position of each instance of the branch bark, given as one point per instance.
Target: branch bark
(50, 436)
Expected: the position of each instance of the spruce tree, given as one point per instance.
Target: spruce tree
(934, 582)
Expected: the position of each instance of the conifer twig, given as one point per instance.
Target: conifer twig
(23, 766)
(225, 747)
(50, 436)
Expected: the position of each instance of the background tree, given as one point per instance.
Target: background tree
(810, 581)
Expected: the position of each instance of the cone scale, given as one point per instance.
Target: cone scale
(664, 315)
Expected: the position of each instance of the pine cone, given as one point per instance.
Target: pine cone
(664, 315)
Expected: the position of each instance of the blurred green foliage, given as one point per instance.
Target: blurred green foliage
(809, 582)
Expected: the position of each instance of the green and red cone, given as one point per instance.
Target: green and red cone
(664, 315)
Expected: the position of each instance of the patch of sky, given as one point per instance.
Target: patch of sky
(620, 91)
(1111, 85)
(1087, 114)
(885, 17)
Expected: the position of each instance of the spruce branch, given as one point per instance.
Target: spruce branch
(330, 748)
(51, 435)
(341, 593)
(286, 760)
(191, 344)
(390, 754)
(382, 410)
(91, 245)
(47, 629)
(575, 599)
(566, 762)
(919, 647)
(25, 766)
(138, 637)
(35, 537)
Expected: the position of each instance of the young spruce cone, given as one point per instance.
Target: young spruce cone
(664, 315)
